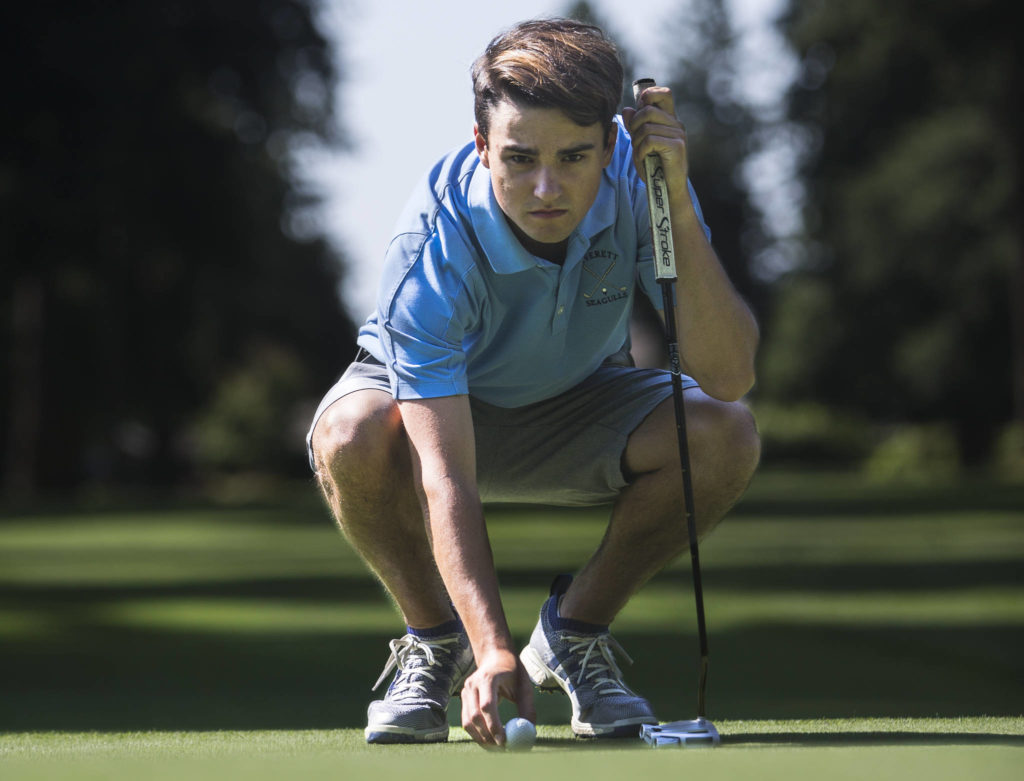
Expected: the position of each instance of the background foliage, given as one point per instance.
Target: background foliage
(907, 305)
(166, 314)
(153, 257)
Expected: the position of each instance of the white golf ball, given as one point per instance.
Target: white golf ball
(520, 734)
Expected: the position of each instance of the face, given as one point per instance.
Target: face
(545, 172)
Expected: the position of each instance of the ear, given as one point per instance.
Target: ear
(481, 146)
(609, 147)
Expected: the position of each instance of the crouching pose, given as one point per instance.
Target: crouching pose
(496, 368)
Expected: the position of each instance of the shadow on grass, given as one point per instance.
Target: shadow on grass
(803, 495)
(808, 740)
(78, 674)
(795, 493)
(93, 678)
(341, 589)
(806, 496)
(899, 577)
(81, 674)
(898, 738)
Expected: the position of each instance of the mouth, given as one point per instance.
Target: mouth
(548, 214)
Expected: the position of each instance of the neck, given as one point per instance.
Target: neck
(553, 253)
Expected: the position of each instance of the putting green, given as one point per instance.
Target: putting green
(241, 642)
(933, 749)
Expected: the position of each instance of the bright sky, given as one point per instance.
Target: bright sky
(406, 100)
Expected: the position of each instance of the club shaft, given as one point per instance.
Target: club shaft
(665, 272)
(668, 298)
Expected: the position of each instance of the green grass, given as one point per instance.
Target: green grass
(836, 749)
(855, 631)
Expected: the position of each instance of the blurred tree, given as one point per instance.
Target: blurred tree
(153, 242)
(701, 47)
(903, 307)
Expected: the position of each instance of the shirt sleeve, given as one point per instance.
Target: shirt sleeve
(424, 315)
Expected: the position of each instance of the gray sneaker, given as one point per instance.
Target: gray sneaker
(431, 666)
(578, 659)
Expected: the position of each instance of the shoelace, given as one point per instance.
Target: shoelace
(414, 655)
(603, 673)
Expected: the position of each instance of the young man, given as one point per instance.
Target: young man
(496, 368)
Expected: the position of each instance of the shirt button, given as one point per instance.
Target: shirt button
(561, 309)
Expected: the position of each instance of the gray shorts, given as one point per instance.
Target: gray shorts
(566, 450)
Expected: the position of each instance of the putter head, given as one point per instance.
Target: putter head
(685, 734)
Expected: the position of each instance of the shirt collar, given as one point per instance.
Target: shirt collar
(502, 249)
(602, 212)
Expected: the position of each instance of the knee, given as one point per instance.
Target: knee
(355, 435)
(741, 439)
(730, 441)
(730, 448)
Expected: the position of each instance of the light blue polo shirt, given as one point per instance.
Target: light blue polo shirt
(463, 307)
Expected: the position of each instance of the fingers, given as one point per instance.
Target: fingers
(659, 97)
(524, 696)
(481, 694)
(656, 108)
(653, 125)
(654, 129)
(480, 716)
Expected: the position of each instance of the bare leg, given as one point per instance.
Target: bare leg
(647, 528)
(364, 470)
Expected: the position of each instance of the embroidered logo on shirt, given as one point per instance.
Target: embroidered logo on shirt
(599, 264)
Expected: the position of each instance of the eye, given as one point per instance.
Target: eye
(575, 157)
(519, 159)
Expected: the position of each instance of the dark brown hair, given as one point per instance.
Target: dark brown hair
(551, 63)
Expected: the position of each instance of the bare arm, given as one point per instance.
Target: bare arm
(444, 457)
(718, 335)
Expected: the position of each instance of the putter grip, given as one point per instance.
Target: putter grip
(657, 202)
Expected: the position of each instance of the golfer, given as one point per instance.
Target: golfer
(497, 368)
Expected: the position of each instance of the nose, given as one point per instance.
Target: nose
(546, 187)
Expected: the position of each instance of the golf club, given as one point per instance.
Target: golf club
(699, 731)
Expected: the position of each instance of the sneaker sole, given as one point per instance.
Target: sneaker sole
(545, 679)
(392, 735)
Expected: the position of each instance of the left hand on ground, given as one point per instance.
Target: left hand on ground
(499, 676)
